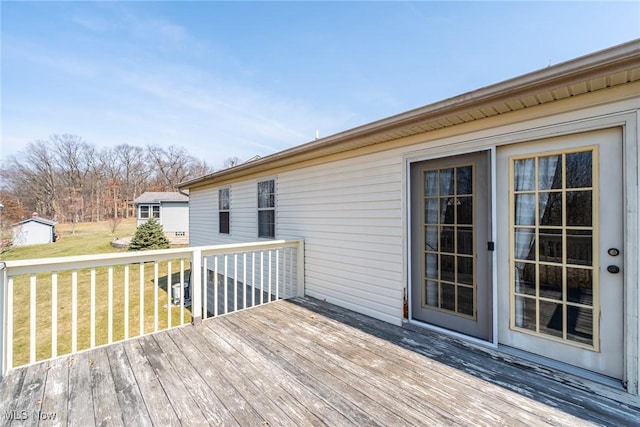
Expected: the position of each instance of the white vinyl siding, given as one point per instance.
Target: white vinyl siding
(175, 217)
(349, 213)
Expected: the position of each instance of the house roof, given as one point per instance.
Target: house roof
(607, 68)
(160, 197)
(36, 219)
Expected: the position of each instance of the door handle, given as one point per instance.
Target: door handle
(613, 269)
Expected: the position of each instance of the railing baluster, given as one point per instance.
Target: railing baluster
(9, 336)
(300, 269)
(141, 302)
(74, 311)
(277, 274)
(32, 319)
(205, 288)
(155, 296)
(215, 286)
(126, 301)
(253, 278)
(235, 282)
(226, 283)
(244, 280)
(261, 277)
(110, 305)
(169, 292)
(290, 275)
(196, 295)
(269, 275)
(181, 292)
(54, 314)
(92, 308)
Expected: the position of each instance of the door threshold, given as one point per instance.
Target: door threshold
(564, 367)
(466, 338)
(568, 374)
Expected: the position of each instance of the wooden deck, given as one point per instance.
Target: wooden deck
(298, 363)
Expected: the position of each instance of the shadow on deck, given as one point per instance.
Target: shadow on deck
(299, 362)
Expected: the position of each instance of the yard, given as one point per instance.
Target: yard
(90, 238)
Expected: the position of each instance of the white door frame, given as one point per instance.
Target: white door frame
(629, 122)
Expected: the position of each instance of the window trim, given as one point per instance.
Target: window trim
(266, 209)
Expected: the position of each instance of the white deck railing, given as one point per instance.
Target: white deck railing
(56, 306)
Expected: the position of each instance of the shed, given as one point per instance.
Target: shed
(507, 216)
(171, 209)
(33, 231)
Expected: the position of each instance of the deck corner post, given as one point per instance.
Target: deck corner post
(300, 269)
(196, 287)
(3, 321)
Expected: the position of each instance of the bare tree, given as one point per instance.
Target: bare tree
(74, 159)
(33, 178)
(231, 162)
(173, 165)
(134, 173)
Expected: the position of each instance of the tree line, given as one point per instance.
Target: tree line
(67, 179)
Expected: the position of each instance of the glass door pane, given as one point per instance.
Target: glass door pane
(552, 237)
(448, 230)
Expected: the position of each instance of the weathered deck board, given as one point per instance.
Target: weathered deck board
(128, 391)
(301, 362)
(56, 390)
(386, 405)
(212, 408)
(104, 391)
(80, 406)
(545, 385)
(389, 362)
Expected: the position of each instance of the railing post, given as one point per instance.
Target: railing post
(196, 287)
(3, 321)
(300, 269)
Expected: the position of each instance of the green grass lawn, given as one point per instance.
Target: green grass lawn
(89, 238)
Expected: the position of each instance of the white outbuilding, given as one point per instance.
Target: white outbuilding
(34, 231)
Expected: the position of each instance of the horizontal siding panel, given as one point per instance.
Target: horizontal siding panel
(366, 250)
(383, 193)
(363, 222)
(373, 308)
(359, 233)
(380, 283)
(336, 258)
(319, 237)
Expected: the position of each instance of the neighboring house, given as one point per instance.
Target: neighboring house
(171, 209)
(34, 231)
(507, 216)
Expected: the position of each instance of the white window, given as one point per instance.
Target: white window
(146, 210)
(224, 215)
(267, 209)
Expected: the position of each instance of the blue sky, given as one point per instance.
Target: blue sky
(228, 79)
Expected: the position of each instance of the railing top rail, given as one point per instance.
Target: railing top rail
(102, 260)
